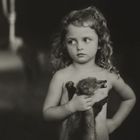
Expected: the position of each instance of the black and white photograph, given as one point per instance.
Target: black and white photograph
(69, 70)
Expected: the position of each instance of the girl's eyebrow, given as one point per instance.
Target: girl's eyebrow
(85, 36)
(69, 37)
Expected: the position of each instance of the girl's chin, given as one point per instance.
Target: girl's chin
(84, 61)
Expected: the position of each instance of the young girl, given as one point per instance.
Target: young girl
(83, 49)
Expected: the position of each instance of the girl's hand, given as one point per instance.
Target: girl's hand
(80, 103)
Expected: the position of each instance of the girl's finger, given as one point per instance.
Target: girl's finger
(89, 103)
(89, 107)
(89, 99)
(86, 96)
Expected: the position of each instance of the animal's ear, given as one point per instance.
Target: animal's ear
(71, 89)
(69, 84)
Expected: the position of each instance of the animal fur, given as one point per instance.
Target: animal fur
(81, 125)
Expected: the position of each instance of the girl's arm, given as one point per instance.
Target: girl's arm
(52, 110)
(127, 103)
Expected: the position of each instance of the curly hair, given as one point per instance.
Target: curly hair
(88, 17)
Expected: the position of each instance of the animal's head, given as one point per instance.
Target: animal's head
(88, 85)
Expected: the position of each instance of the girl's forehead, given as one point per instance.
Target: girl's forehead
(73, 30)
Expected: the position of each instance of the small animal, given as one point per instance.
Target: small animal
(81, 125)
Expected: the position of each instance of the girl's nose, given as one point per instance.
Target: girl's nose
(80, 46)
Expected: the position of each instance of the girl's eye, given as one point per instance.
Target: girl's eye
(87, 40)
(71, 42)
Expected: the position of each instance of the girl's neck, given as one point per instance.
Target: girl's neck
(86, 67)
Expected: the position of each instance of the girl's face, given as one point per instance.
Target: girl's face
(81, 43)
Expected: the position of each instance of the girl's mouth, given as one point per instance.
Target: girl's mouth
(81, 54)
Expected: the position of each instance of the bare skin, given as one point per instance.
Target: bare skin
(82, 45)
(58, 94)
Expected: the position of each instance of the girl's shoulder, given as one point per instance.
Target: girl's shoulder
(62, 73)
(116, 80)
(111, 76)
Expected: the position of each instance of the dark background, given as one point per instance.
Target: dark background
(22, 95)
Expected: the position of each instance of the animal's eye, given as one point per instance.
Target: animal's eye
(87, 39)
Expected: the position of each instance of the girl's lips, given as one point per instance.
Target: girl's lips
(81, 54)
